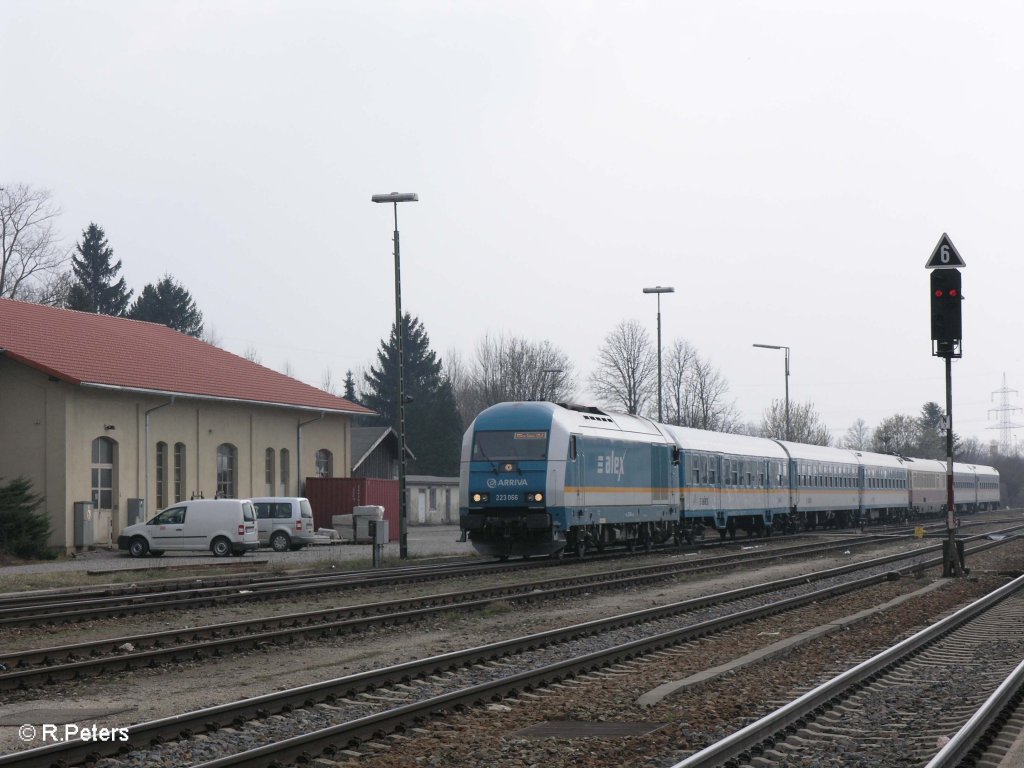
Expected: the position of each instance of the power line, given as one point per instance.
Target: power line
(1005, 425)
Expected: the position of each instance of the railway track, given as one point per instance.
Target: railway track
(900, 706)
(324, 718)
(85, 603)
(65, 611)
(53, 664)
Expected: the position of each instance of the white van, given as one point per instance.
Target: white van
(284, 522)
(223, 526)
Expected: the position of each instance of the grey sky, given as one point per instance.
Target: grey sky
(787, 166)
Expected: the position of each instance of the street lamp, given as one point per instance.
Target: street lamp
(773, 346)
(659, 290)
(403, 512)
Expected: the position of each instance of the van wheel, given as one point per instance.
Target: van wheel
(280, 542)
(138, 547)
(221, 547)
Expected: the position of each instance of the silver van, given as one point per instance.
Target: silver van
(223, 526)
(284, 522)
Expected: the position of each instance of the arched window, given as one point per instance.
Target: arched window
(179, 471)
(324, 463)
(284, 472)
(269, 472)
(227, 461)
(161, 475)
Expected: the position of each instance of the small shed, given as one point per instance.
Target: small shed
(375, 453)
(432, 500)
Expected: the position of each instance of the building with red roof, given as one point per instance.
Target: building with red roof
(130, 415)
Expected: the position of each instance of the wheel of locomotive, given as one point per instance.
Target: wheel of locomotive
(581, 546)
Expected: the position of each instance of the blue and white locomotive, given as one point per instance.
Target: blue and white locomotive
(537, 478)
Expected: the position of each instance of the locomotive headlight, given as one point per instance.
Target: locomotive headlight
(537, 497)
(479, 498)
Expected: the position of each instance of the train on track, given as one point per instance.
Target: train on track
(537, 478)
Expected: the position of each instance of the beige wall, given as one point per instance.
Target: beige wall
(47, 429)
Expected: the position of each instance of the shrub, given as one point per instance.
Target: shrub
(24, 530)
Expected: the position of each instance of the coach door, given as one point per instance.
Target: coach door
(575, 476)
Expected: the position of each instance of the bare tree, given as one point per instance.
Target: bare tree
(627, 369)
(678, 368)
(897, 435)
(327, 382)
(805, 425)
(30, 250)
(705, 405)
(509, 368)
(858, 436)
(251, 353)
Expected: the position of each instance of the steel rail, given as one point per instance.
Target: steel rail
(253, 632)
(201, 596)
(976, 731)
(237, 713)
(750, 738)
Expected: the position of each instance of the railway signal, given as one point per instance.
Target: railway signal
(947, 325)
(947, 332)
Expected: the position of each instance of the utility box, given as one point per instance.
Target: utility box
(362, 517)
(136, 511)
(84, 536)
(378, 538)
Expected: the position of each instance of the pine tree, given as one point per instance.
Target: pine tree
(94, 289)
(169, 303)
(432, 425)
(350, 388)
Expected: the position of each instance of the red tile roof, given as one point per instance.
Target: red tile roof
(87, 349)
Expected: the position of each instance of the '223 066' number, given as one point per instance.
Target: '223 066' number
(506, 497)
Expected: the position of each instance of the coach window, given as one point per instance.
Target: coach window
(695, 470)
(712, 472)
(572, 448)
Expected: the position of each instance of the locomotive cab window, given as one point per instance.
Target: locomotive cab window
(515, 445)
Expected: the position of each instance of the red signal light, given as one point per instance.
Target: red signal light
(938, 294)
(952, 292)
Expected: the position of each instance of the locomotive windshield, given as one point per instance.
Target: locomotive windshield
(502, 446)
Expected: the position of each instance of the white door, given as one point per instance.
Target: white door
(102, 489)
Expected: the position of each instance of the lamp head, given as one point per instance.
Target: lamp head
(396, 197)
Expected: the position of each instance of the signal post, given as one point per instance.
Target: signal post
(947, 332)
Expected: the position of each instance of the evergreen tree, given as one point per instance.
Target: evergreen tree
(169, 303)
(94, 289)
(432, 426)
(24, 529)
(350, 388)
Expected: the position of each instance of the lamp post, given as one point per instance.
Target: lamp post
(773, 346)
(659, 290)
(403, 512)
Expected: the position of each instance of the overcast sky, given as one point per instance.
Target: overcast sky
(787, 166)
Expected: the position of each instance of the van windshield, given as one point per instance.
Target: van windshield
(247, 514)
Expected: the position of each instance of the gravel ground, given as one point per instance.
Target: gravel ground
(123, 699)
(423, 541)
